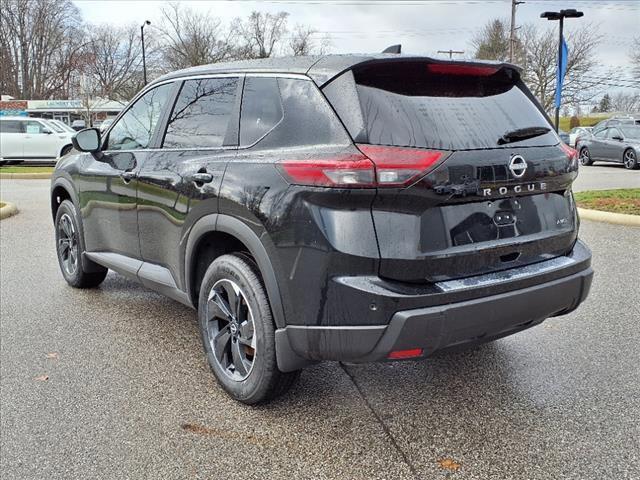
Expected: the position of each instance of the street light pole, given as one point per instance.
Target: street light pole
(144, 59)
(560, 16)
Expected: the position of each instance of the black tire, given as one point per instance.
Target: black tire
(70, 247)
(246, 337)
(630, 159)
(66, 149)
(585, 157)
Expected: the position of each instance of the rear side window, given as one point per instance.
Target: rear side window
(442, 106)
(11, 126)
(201, 114)
(261, 109)
(288, 112)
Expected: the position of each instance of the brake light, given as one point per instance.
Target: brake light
(468, 70)
(396, 166)
(572, 153)
(376, 166)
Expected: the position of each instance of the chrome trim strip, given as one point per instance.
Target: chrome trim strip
(505, 275)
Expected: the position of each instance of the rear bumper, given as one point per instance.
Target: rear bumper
(439, 327)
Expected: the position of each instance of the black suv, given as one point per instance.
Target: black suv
(355, 208)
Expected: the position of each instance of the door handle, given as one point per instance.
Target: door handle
(128, 176)
(201, 177)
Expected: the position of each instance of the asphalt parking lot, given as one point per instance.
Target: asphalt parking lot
(128, 394)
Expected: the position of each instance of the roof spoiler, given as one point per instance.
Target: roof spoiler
(393, 49)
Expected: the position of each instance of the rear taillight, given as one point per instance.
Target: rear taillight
(396, 166)
(377, 166)
(571, 153)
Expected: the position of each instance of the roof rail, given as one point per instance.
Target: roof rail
(393, 49)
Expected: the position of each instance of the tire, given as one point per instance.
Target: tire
(66, 149)
(585, 157)
(630, 159)
(70, 247)
(239, 336)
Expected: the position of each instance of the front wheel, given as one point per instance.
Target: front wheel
(585, 157)
(70, 247)
(630, 159)
(238, 333)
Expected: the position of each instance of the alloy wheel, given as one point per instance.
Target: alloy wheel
(231, 329)
(68, 245)
(629, 159)
(584, 157)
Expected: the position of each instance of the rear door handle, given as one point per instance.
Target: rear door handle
(128, 176)
(202, 177)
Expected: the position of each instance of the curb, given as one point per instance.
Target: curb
(609, 217)
(24, 176)
(8, 210)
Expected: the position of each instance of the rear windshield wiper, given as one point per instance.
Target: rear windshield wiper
(522, 134)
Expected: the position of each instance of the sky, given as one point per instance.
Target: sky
(421, 26)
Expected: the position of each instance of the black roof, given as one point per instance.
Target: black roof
(320, 68)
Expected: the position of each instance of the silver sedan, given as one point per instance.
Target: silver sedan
(620, 144)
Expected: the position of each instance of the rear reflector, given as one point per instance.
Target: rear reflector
(468, 70)
(402, 354)
(376, 166)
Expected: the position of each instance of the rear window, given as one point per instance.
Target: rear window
(414, 104)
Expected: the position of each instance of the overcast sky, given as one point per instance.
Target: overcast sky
(420, 26)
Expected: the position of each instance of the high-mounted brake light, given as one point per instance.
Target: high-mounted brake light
(468, 70)
(377, 166)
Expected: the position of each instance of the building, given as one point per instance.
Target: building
(97, 109)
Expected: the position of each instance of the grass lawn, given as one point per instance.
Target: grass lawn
(624, 200)
(25, 169)
(584, 122)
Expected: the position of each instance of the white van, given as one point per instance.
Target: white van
(24, 138)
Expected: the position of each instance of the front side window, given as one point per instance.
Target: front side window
(135, 128)
(261, 109)
(614, 132)
(11, 126)
(201, 114)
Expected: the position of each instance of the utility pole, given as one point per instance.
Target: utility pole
(451, 52)
(512, 35)
(144, 59)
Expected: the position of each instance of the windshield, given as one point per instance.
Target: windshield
(55, 127)
(631, 132)
(414, 106)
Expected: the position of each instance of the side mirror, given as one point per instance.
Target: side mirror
(617, 137)
(87, 140)
(46, 131)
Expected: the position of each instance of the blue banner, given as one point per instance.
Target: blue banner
(562, 70)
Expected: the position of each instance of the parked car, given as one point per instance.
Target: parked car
(576, 132)
(78, 125)
(338, 208)
(564, 136)
(619, 144)
(62, 125)
(24, 139)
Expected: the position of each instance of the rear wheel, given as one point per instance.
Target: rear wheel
(585, 157)
(66, 149)
(70, 247)
(238, 333)
(630, 159)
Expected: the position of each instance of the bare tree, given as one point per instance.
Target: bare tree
(260, 34)
(626, 101)
(114, 61)
(40, 45)
(536, 50)
(634, 53)
(302, 42)
(193, 38)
